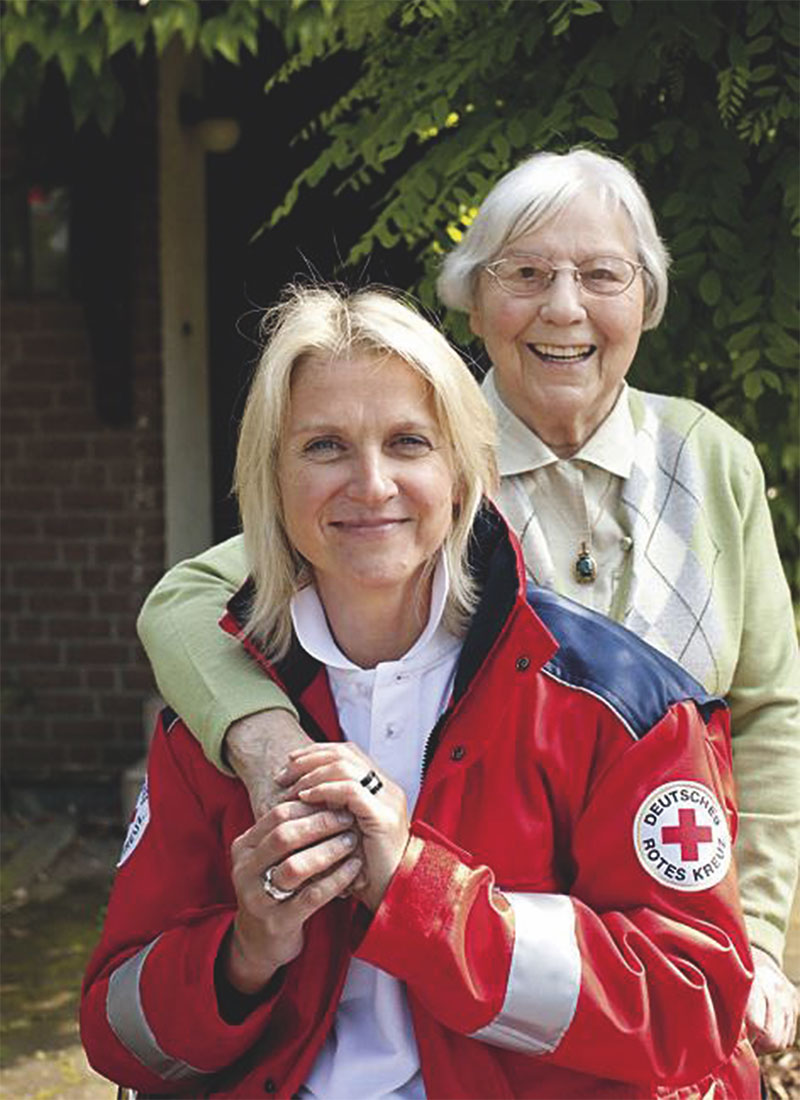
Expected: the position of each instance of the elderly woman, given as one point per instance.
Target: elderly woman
(560, 916)
(646, 508)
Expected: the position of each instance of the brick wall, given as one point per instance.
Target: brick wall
(82, 527)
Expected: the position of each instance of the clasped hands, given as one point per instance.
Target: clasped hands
(314, 847)
(330, 835)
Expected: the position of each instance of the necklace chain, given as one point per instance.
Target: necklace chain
(585, 567)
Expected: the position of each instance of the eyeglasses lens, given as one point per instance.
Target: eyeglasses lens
(528, 275)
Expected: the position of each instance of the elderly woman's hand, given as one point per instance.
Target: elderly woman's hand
(310, 860)
(340, 775)
(772, 1008)
(256, 746)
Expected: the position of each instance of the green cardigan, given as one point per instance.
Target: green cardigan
(704, 584)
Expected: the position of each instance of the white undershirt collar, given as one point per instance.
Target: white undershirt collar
(316, 638)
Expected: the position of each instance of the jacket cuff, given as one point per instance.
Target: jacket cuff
(234, 1007)
(438, 923)
(218, 719)
(212, 1042)
(418, 903)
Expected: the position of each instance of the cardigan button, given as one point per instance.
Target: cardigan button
(458, 753)
(269, 1085)
(522, 664)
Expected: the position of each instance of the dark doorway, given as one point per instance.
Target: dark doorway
(246, 275)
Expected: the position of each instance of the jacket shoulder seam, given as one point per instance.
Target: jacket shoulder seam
(602, 658)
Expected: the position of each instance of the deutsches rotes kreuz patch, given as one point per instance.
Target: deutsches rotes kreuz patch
(139, 822)
(681, 836)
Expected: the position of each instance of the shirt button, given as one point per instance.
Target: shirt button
(626, 542)
(522, 664)
(458, 752)
(391, 730)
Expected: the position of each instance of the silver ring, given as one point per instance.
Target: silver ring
(273, 889)
(372, 782)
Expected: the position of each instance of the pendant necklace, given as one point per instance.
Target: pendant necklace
(585, 567)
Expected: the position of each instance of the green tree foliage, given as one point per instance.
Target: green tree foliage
(82, 38)
(700, 99)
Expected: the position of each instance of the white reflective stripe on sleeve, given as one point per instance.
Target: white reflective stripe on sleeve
(127, 1020)
(544, 979)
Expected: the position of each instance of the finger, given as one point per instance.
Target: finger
(362, 879)
(301, 761)
(332, 748)
(756, 1013)
(343, 793)
(769, 1017)
(295, 829)
(327, 772)
(286, 811)
(324, 889)
(294, 872)
(301, 833)
(371, 811)
(763, 1042)
(289, 771)
(775, 1028)
(764, 1036)
(784, 1032)
(788, 1024)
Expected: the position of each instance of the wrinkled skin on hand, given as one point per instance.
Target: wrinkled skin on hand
(258, 748)
(311, 850)
(772, 1007)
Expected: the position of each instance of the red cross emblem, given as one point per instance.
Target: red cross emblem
(681, 836)
(688, 834)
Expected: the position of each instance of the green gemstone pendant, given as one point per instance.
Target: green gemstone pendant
(585, 566)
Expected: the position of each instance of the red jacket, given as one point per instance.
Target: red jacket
(565, 917)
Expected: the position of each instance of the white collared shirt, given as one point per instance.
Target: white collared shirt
(568, 496)
(388, 711)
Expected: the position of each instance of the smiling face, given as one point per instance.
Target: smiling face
(560, 357)
(365, 477)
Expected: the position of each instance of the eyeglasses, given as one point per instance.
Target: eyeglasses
(526, 275)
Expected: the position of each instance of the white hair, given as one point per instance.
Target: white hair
(537, 190)
(317, 327)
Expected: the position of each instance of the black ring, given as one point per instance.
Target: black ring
(372, 782)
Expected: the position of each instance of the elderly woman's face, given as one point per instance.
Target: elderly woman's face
(365, 478)
(561, 355)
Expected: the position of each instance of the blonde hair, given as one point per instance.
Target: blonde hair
(534, 192)
(320, 325)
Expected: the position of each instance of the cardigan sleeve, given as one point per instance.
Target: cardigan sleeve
(764, 698)
(202, 672)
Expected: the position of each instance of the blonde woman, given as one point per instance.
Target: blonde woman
(543, 901)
